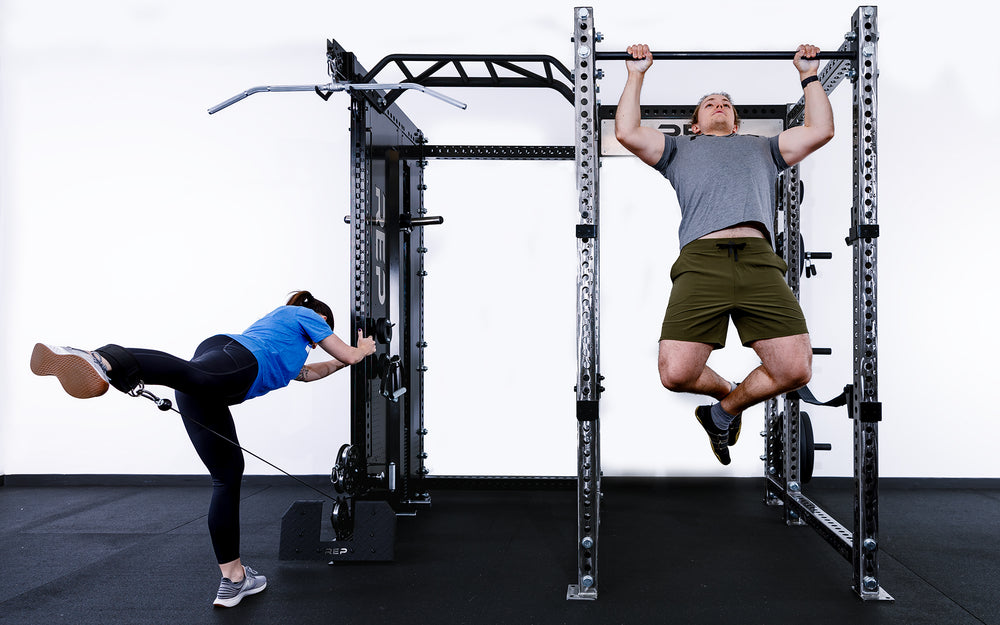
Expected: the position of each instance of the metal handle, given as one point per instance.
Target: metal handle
(408, 221)
(334, 87)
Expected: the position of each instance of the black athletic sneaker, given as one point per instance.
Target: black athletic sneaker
(230, 593)
(718, 438)
(734, 429)
(735, 424)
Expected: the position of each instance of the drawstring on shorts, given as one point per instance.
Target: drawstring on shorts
(733, 249)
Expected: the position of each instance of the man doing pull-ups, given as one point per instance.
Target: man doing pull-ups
(725, 185)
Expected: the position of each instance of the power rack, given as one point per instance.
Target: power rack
(382, 473)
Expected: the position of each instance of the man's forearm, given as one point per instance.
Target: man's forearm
(628, 115)
(818, 112)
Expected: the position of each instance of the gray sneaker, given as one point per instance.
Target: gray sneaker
(80, 372)
(230, 594)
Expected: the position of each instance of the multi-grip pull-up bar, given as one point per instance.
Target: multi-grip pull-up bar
(837, 55)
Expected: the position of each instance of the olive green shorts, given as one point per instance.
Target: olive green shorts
(715, 279)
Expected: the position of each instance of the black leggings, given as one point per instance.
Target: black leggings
(218, 376)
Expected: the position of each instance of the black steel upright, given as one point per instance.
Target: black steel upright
(387, 295)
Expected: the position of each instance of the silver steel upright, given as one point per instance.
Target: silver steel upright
(793, 256)
(588, 383)
(866, 410)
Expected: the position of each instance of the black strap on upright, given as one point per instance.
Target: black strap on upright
(870, 411)
(804, 394)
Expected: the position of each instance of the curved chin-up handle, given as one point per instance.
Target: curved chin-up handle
(333, 87)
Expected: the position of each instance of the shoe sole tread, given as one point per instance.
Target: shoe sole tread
(77, 376)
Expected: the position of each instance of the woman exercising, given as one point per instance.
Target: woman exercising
(226, 370)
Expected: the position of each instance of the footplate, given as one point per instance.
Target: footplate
(372, 539)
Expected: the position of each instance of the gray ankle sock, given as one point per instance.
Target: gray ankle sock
(721, 418)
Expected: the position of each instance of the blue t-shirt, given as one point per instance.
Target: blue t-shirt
(280, 342)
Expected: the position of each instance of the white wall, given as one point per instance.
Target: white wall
(130, 215)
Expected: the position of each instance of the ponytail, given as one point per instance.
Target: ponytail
(306, 300)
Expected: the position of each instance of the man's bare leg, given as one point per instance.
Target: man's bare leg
(786, 365)
(683, 369)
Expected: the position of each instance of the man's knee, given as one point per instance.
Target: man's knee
(677, 378)
(796, 374)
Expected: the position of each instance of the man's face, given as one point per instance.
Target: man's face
(716, 116)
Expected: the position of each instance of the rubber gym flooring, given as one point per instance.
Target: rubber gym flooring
(107, 550)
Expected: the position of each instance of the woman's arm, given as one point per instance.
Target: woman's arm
(319, 370)
(343, 355)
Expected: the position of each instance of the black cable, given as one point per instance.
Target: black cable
(166, 404)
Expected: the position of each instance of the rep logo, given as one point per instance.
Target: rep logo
(381, 273)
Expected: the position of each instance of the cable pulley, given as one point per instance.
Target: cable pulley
(348, 472)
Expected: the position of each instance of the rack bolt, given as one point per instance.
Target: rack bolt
(763, 457)
(598, 37)
(763, 434)
(583, 52)
(869, 545)
(870, 584)
(586, 581)
(868, 50)
(851, 36)
(794, 487)
(587, 542)
(422, 431)
(583, 13)
(771, 470)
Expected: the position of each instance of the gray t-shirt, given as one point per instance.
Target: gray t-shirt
(721, 181)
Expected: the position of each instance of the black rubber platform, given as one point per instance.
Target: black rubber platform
(687, 551)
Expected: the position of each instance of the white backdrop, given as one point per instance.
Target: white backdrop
(130, 215)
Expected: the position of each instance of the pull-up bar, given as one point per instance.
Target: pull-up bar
(727, 56)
